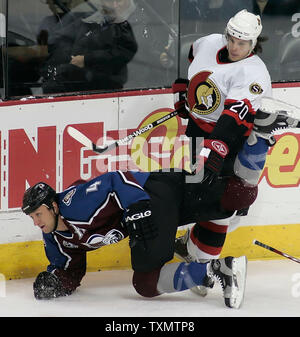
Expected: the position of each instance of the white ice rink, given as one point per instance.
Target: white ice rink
(273, 289)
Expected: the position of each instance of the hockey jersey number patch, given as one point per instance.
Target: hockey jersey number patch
(242, 111)
(240, 108)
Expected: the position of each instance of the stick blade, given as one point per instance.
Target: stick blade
(84, 140)
(80, 137)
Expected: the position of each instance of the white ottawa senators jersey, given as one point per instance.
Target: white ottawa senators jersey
(213, 84)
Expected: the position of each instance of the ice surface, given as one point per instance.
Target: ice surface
(273, 289)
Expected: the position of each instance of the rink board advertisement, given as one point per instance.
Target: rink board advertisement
(35, 146)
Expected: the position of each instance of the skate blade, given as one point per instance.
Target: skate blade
(199, 290)
(239, 269)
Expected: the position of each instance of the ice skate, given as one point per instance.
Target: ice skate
(182, 253)
(273, 116)
(231, 273)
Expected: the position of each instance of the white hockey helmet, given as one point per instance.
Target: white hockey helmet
(245, 26)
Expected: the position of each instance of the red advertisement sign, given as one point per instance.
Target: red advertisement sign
(59, 160)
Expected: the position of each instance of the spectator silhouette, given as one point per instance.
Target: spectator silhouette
(91, 53)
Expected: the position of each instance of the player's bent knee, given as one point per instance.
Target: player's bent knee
(145, 283)
(238, 194)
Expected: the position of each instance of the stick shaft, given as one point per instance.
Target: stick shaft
(146, 128)
(263, 245)
(81, 138)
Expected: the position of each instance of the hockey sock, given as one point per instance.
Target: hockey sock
(254, 156)
(251, 160)
(189, 275)
(207, 239)
(181, 276)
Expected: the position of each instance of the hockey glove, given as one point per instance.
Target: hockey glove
(179, 88)
(48, 285)
(211, 160)
(138, 221)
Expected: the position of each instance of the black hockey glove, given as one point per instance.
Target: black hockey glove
(211, 160)
(138, 221)
(179, 88)
(48, 285)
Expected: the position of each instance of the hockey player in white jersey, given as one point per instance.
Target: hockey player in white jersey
(226, 83)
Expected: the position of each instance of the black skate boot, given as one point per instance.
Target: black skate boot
(181, 252)
(272, 117)
(231, 273)
(266, 123)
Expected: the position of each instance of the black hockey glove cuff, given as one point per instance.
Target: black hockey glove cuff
(47, 286)
(179, 88)
(139, 223)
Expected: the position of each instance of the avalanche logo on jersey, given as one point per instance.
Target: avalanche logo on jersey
(203, 95)
(97, 240)
(68, 197)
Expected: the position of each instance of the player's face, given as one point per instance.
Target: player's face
(117, 6)
(44, 218)
(237, 49)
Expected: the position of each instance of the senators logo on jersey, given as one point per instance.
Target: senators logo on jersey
(255, 89)
(203, 95)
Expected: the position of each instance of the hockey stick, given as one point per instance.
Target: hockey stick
(81, 138)
(273, 105)
(276, 251)
(268, 104)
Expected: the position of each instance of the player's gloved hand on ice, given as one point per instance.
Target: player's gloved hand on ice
(179, 88)
(211, 159)
(138, 221)
(48, 285)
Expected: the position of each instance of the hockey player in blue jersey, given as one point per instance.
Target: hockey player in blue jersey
(146, 206)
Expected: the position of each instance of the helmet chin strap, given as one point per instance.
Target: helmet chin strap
(56, 217)
(56, 223)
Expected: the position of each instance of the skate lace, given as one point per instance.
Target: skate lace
(218, 276)
(220, 280)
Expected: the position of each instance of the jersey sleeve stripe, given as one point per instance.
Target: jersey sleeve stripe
(125, 178)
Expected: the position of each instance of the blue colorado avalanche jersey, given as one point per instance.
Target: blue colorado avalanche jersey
(93, 212)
